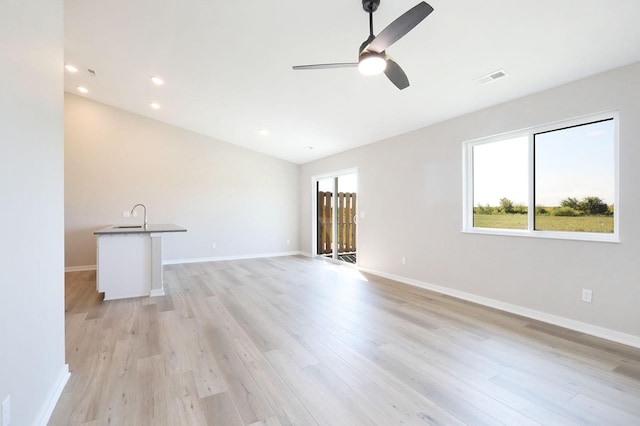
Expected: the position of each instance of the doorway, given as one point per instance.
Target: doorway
(335, 217)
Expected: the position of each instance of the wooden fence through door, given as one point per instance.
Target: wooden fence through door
(346, 226)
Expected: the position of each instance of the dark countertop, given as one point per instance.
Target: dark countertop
(139, 229)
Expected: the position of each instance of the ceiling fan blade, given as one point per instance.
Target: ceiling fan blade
(325, 66)
(396, 75)
(400, 27)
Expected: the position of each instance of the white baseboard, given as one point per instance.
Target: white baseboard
(156, 292)
(222, 258)
(582, 327)
(201, 259)
(80, 268)
(54, 396)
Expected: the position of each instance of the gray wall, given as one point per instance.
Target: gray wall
(32, 364)
(244, 202)
(422, 171)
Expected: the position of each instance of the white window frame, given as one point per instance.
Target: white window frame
(467, 182)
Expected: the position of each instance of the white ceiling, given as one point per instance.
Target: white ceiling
(227, 63)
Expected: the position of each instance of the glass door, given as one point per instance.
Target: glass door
(324, 217)
(336, 217)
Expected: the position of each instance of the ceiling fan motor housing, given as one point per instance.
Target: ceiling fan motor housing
(370, 5)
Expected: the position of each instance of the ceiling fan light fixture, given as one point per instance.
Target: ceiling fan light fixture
(372, 58)
(371, 63)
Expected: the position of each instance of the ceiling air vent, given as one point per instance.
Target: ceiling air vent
(492, 76)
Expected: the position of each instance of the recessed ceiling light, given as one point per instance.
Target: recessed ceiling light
(154, 105)
(263, 132)
(157, 81)
(82, 89)
(309, 148)
(71, 68)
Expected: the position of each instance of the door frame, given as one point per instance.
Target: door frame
(314, 212)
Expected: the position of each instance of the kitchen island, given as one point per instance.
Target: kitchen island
(129, 260)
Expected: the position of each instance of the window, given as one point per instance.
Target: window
(500, 180)
(557, 181)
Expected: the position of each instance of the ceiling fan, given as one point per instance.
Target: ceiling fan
(372, 58)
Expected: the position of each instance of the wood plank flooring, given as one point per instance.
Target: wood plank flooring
(298, 341)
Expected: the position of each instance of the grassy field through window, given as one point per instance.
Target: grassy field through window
(500, 221)
(602, 224)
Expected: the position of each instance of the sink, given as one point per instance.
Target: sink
(127, 226)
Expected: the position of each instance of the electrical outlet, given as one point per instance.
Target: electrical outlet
(288, 242)
(6, 411)
(126, 213)
(404, 260)
(213, 245)
(586, 295)
(135, 213)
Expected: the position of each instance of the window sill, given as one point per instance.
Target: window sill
(553, 235)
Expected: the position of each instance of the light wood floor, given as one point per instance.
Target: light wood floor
(293, 340)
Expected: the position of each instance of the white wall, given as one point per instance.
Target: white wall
(410, 188)
(32, 364)
(244, 202)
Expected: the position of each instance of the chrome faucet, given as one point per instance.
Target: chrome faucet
(145, 213)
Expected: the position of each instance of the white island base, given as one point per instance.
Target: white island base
(129, 262)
